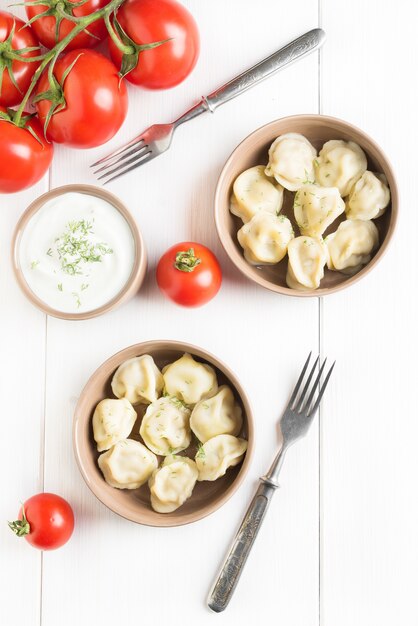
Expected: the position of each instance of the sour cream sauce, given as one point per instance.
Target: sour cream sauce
(77, 252)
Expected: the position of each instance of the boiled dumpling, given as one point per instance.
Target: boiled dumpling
(316, 208)
(218, 415)
(165, 426)
(340, 164)
(351, 246)
(128, 464)
(254, 192)
(217, 454)
(368, 198)
(307, 257)
(172, 484)
(190, 380)
(112, 420)
(265, 238)
(138, 380)
(291, 161)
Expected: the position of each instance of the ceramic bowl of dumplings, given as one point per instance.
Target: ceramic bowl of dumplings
(253, 150)
(134, 504)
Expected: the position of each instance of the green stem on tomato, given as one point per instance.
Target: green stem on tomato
(186, 261)
(18, 57)
(67, 16)
(125, 49)
(56, 51)
(20, 527)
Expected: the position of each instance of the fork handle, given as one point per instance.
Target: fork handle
(232, 568)
(297, 49)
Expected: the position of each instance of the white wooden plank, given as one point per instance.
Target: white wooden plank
(114, 570)
(22, 376)
(369, 426)
(22, 372)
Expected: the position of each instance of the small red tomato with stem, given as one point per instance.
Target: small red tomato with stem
(189, 274)
(50, 25)
(17, 43)
(171, 27)
(25, 155)
(46, 521)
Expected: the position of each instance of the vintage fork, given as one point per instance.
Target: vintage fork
(157, 138)
(294, 424)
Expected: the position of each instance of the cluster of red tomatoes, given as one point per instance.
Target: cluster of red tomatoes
(83, 101)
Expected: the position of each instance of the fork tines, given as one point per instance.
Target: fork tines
(305, 402)
(123, 160)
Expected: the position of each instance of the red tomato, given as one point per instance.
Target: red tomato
(45, 520)
(189, 274)
(96, 100)
(22, 72)
(148, 21)
(45, 27)
(24, 159)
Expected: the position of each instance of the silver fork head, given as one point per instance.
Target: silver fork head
(153, 142)
(304, 401)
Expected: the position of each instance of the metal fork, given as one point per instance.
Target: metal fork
(157, 138)
(294, 424)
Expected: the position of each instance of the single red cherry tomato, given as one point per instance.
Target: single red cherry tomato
(95, 100)
(45, 520)
(24, 158)
(150, 21)
(46, 27)
(16, 75)
(189, 274)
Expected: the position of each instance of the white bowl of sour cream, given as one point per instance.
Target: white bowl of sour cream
(77, 252)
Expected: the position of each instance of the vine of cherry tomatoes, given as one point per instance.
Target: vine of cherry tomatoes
(63, 91)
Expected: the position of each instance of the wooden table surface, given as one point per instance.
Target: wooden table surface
(340, 545)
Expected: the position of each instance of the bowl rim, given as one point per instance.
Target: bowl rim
(139, 263)
(238, 260)
(146, 347)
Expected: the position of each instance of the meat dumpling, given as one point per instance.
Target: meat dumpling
(216, 455)
(138, 380)
(307, 258)
(368, 198)
(112, 420)
(218, 415)
(253, 191)
(190, 380)
(172, 484)
(265, 238)
(165, 426)
(340, 164)
(352, 245)
(316, 208)
(128, 464)
(291, 161)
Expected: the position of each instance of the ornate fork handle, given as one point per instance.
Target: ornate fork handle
(295, 50)
(241, 547)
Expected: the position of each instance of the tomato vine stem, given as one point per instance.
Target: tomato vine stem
(53, 54)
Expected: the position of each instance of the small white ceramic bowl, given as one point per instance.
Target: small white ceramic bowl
(139, 265)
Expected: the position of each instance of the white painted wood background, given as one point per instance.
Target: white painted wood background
(340, 545)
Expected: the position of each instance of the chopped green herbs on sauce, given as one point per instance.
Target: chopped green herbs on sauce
(76, 249)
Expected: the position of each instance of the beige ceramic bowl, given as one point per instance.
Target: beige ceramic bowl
(139, 266)
(135, 504)
(254, 151)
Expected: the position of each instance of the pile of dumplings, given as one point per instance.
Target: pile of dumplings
(182, 399)
(325, 185)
